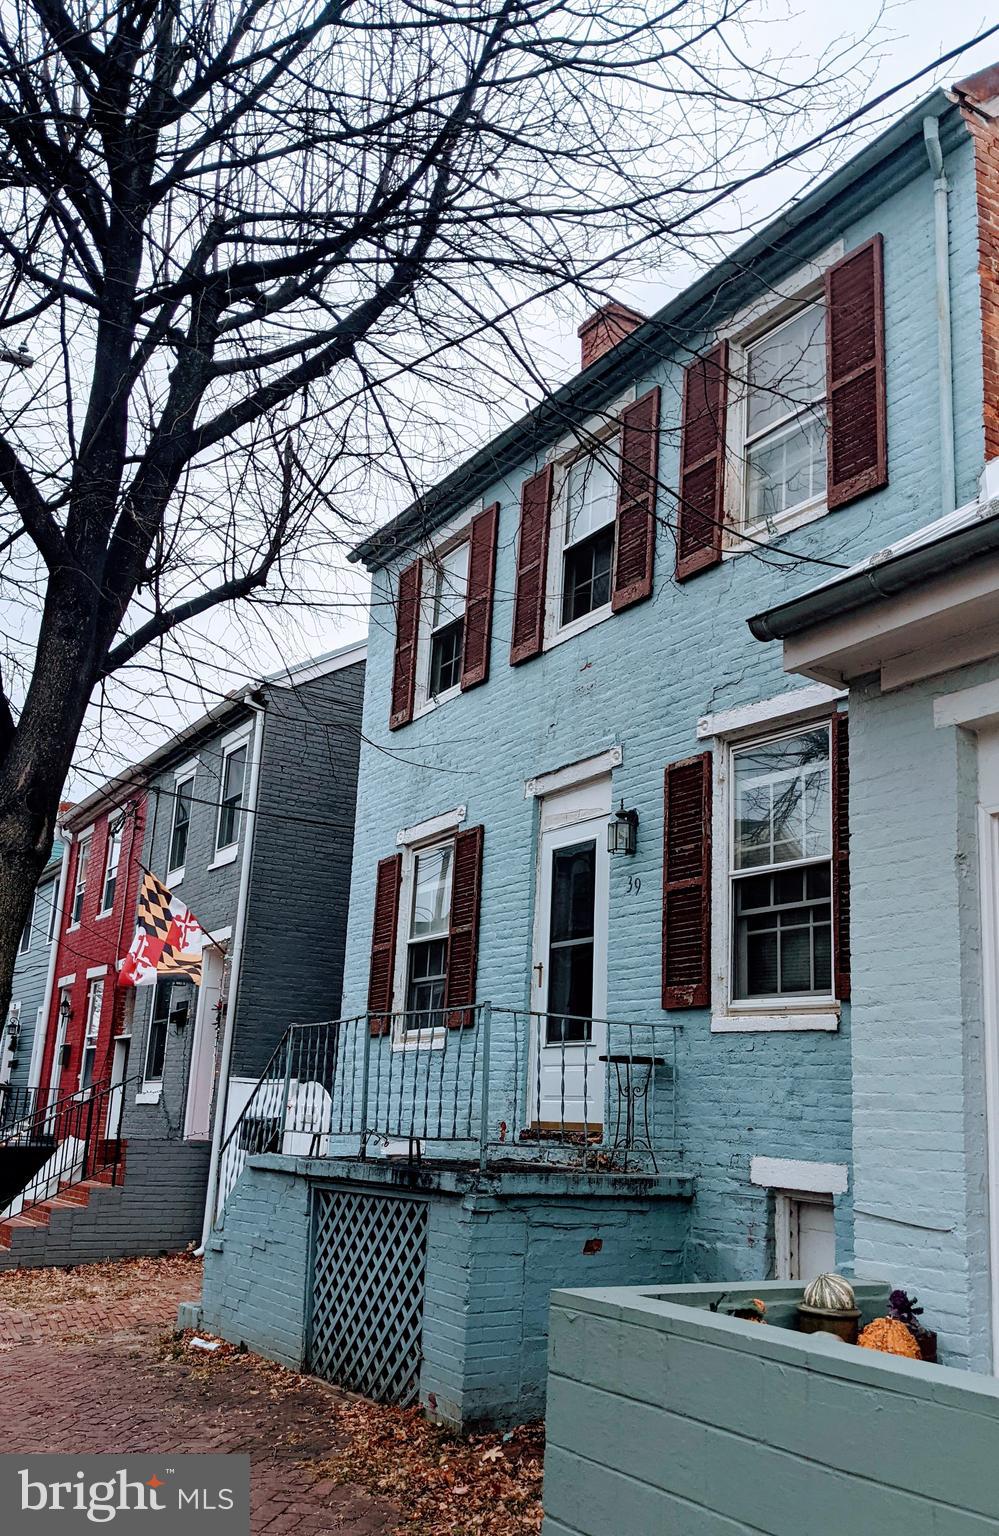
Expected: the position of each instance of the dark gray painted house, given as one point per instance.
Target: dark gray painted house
(21, 1036)
(250, 822)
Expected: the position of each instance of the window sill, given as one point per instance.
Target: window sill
(225, 856)
(108, 912)
(149, 1095)
(578, 626)
(420, 1040)
(430, 704)
(174, 877)
(740, 540)
(825, 1018)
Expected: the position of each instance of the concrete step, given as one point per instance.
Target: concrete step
(14, 1224)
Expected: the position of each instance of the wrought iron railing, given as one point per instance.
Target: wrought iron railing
(83, 1130)
(493, 1084)
(16, 1102)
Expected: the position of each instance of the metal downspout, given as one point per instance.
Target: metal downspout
(41, 1033)
(222, 1096)
(945, 383)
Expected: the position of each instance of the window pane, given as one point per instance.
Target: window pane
(591, 492)
(570, 991)
(587, 575)
(573, 878)
(232, 795)
(786, 369)
(181, 824)
(782, 939)
(446, 648)
(432, 892)
(426, 983)
(450, 585)
(782, 806)
(786, 468)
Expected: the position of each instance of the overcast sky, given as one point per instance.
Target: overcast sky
(911, 34)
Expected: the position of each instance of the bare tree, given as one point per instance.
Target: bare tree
(241, 240)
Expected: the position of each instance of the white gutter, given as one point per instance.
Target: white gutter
(945, 383)
(235, 966)
(41, 1032)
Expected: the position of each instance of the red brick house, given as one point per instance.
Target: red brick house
(84, 1039)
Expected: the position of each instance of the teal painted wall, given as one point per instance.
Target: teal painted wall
(918, 1064)
(642, 679)
(666, 1420)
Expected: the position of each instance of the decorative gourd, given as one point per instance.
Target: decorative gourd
(830, 1293)
(891, 1337)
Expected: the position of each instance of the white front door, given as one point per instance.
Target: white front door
(116, 1098)
(813, 1239)
(201, 1077)
(569, 978)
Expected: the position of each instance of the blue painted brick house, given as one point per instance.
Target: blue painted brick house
(597, 1000)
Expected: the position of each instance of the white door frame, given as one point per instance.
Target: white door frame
(119, 1063)
(577, 814)
(201, 1070)
(988, 844)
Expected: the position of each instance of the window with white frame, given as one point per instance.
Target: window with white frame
(180, 825)
(29, 926)
(53, 910)
(588, 511)
(231, 784)
(171, 1005)
(781, 868)
(785, 418)
(92, 1026)
(112, 858)
(80, 885)
(428, 927)
(446, 594)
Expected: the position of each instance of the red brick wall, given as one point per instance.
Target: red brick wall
(984, 130)
(96, 940)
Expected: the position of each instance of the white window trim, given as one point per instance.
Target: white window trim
(450, 535)
(555, 632)
(184, 775)
(229, 745)
(150, 1094)
(414, 1039)
(797, 291)
(571, 774)
(66, 981)
(766, 1014)
(784, 1220)
(799, 1175)
(796, 706)
(120, 834)
(96, 971)
(83, 841)
(29, 928)
(422, 831)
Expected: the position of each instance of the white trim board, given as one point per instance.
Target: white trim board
(792, 705)
(794, 1174)
(95, 971)
(574, 773)
(446, 821)
(968, 706)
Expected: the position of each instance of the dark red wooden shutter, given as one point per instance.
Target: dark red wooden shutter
(479, 602)
(463, 948)
(532, 567)
(407, 630)
(700, 512)
(841, 853)
(687, 884)
(636, 501)
(383, 937)
(857, 438)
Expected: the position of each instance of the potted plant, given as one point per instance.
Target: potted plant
(829, 1306)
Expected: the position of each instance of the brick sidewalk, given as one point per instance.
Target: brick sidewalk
(81, 1373)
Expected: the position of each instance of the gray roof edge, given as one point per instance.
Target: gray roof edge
(879, 580)
(586, 389)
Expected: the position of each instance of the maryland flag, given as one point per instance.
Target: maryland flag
(168, 939)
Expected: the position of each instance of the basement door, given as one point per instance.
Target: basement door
(569, 977)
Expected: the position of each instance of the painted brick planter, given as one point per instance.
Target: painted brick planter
(665, 1419)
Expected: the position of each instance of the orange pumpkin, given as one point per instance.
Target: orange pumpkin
(891, 1337)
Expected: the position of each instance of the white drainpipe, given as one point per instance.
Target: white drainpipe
(235, 965)
(41, 1032)
(941, 240)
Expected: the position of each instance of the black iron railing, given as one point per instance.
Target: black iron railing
(83, 1130)
(481, 1083)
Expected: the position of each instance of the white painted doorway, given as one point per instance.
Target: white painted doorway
(201, 1074)
(119, 1071)
(806, 1236)
(63, 1016)
(569, 975)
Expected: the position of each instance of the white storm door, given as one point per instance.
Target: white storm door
(201, 1074)
(569, 979)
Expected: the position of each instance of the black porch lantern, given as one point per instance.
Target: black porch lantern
(65, 1014)
(622, 831)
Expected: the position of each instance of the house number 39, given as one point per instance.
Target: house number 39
(634, 885)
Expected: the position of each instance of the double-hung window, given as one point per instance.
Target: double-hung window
(427, 936)
(785, 418)
(180, 826)
(111, 860)
(171, 1005)
(53, 910)
(231, 796)
(781, 869)
(92, 1026)
(448, 587)
(25, 943)
(80, 886)
(589, 512)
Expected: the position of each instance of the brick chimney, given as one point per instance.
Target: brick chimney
(608, 325)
